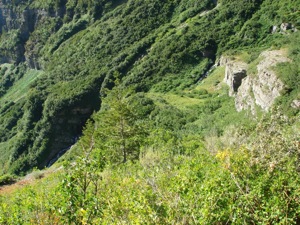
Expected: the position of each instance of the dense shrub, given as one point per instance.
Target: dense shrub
(7, 179)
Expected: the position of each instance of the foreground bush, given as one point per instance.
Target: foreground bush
(248, 184)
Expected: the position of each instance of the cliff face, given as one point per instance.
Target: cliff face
(235, 72)
(251, 90)
(22, 23)
(13, 21)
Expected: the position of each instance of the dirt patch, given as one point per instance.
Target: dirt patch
(6, 189)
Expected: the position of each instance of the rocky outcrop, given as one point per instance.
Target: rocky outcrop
(235, 72)
(283, 28)
(11, 20)
(251, 90)
(67, 127)
(287, 26)
(24, 23)
(296, 104)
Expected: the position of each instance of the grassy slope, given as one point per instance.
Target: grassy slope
(164, 187)
(246, 177)
(155, 46)
(21, 87)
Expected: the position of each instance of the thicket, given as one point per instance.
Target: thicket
(289, 74)
(7, 179)
(247, 176)
(154, 45)
(162, 147)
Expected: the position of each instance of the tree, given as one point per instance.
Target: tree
(119, 132)
(80, 187)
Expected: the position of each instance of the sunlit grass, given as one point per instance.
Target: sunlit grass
(213, 82)
(180, 102)
(21, 87)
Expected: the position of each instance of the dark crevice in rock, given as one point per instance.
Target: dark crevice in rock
(237, 80)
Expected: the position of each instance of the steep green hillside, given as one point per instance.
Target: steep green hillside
(58, 55)
(146, 159)
(165, 112)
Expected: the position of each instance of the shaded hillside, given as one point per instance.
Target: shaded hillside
(62, 53)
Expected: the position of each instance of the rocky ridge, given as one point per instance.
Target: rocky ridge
(251, 90)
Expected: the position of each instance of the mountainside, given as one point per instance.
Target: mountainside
(57, 56)
(149, 112)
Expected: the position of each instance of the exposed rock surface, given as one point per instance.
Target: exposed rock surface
(23, 23)
(287, 26)
(253, 90)
(67, 127)
(296, 104)
(235, 72)
(283, 28)
(274, 29)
